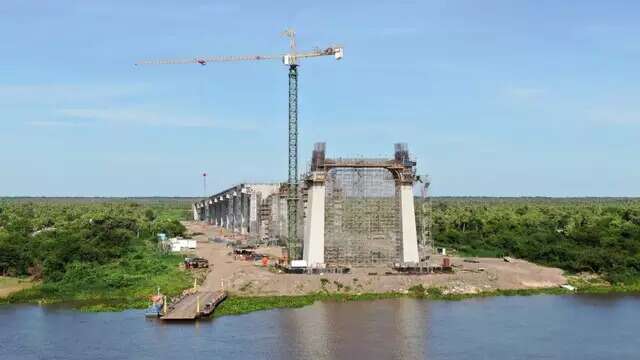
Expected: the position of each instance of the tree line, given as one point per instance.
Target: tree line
(593, 235)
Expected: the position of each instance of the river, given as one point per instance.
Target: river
(531, 327)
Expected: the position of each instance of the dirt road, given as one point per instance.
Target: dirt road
(9, 285)
(246, 278)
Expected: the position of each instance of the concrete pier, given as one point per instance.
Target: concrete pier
(313, 250)
(408, 221)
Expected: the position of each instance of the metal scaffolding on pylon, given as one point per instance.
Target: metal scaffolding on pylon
(425, 218)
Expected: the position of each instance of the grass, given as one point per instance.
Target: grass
(9, 282)
(242, 305)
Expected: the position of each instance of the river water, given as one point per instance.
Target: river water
(528, 327)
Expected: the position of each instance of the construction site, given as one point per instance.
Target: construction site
(351, 212)
(359, 227)
(355, 219)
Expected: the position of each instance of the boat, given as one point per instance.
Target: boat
(155, 309)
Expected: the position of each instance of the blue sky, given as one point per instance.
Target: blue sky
(496, 98)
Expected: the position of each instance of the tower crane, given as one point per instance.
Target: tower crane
(291, 59)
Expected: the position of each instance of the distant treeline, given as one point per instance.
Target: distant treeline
(531, 199)
(600, 235)
(86, 200)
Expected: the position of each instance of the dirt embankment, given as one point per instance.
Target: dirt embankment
(248, 278)
(9, 285)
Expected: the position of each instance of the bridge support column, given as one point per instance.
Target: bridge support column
(214, 221)
(221, 211)
(229, 212)
(408, 219)
(201, 211)
(236, 212)
(212, 213)
(244, 211)
(313, 252)
(253, 213)
(195, 212)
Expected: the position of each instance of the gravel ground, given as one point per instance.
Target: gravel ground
(242, 277)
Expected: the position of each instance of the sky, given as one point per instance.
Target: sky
(494, 98)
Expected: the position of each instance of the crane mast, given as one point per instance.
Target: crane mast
(290, 59)
(292, 193)
(292, 182)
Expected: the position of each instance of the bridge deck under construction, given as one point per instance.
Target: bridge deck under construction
(189, 308)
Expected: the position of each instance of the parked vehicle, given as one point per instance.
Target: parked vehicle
(195, 262)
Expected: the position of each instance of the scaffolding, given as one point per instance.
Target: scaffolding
(362, 217)
(424, 215)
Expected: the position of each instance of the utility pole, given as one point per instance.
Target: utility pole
(204, 184)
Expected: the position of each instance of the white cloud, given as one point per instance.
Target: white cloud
(130, 116)
(524, 93)
(57, 94)
(56, 123)
(614, 110)
(84, 105)
(616, 117)
(399, 31)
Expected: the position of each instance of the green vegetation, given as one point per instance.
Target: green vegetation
(578, 235)
(243, 305)
(96, 254)
(100, 254)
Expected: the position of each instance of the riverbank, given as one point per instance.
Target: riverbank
(10, 285)
(124, 284)
(242, 305)
(237, 304)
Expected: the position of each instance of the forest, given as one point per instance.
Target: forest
(84, 250)
(597, 235)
